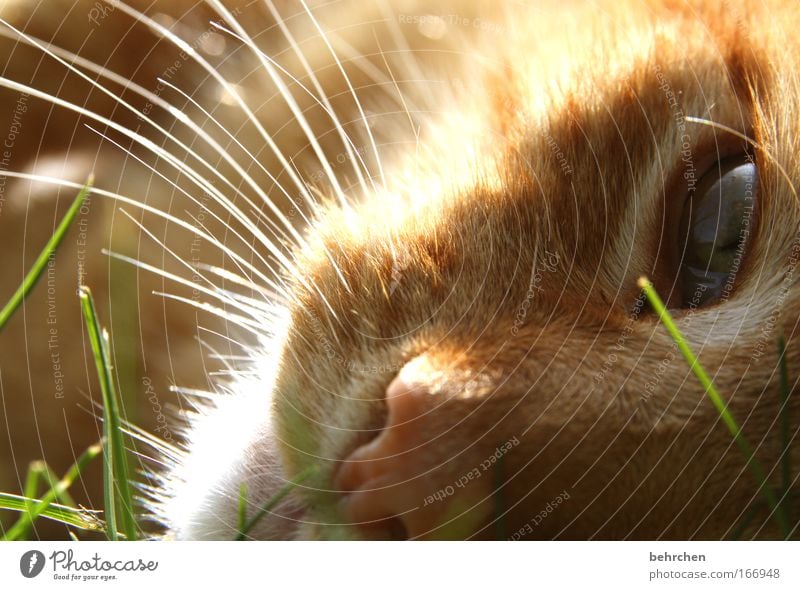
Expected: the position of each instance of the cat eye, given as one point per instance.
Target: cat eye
(714, 229)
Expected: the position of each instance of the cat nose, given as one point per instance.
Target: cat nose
(397, 486)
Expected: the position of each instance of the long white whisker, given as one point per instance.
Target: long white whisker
(232, 91)
(227, 86)
(352, 90)
(238, 168)
(188, 391)
(215, 354)
(257, 326)
(254, 327)
(749, 141)
(159, 444)
(358, 59)
(244, 358)
(324, 104)
(345, 138)
(151, 146)
(272, 284)
(241, 281)
(238, 214)
(353, 154)
(414, 128)
(181, 118)
(299, 117)
(258, 312)
(399, 40)
(327, 252)
(191, 172)
(149, 209)
(215, 291)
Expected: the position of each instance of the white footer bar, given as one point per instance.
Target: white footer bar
(386, 566)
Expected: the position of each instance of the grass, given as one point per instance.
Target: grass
(245, 525)
(56, 503)
(118, 498)
(117, 493)
(785, 429)
(33, 509)
(45, 506)
(779, 509)
(33, 276)
(120, 521)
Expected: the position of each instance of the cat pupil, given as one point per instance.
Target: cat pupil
(715, 225)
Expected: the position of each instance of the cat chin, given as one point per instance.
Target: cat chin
(230, 454)
(229, 446)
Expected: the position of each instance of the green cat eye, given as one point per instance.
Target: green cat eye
(714, 230)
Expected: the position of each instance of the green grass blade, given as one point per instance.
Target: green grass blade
(57, 492)
(272, 502)
(76, 517)
(38, 471)
(755, 467)
(41, 262)
(785, 430)
(116, 482)
(745, 522)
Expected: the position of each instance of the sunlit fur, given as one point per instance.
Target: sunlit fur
(549, 173)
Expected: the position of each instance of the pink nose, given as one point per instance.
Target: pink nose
(397, 485)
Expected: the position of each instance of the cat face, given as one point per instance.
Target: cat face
(469, 355)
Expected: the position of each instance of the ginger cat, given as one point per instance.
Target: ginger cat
(426, 223)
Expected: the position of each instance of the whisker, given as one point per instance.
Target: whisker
(209, 188)
(327, 42)
(372, 72)
(401, 97)
(750, 142)
(242, 281)
(239, 169)
(238, 214)
(399, 40)
(147, 208)
(196, 130)
(214, 292)
(229, 339)
(224, 84)
(216, 354)
(345, 139)
(161, 446)
(186, 169)
(199, 393)
(254, 327)
(320, 98)
(281, 283)
(148, 144)
(290, 101)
